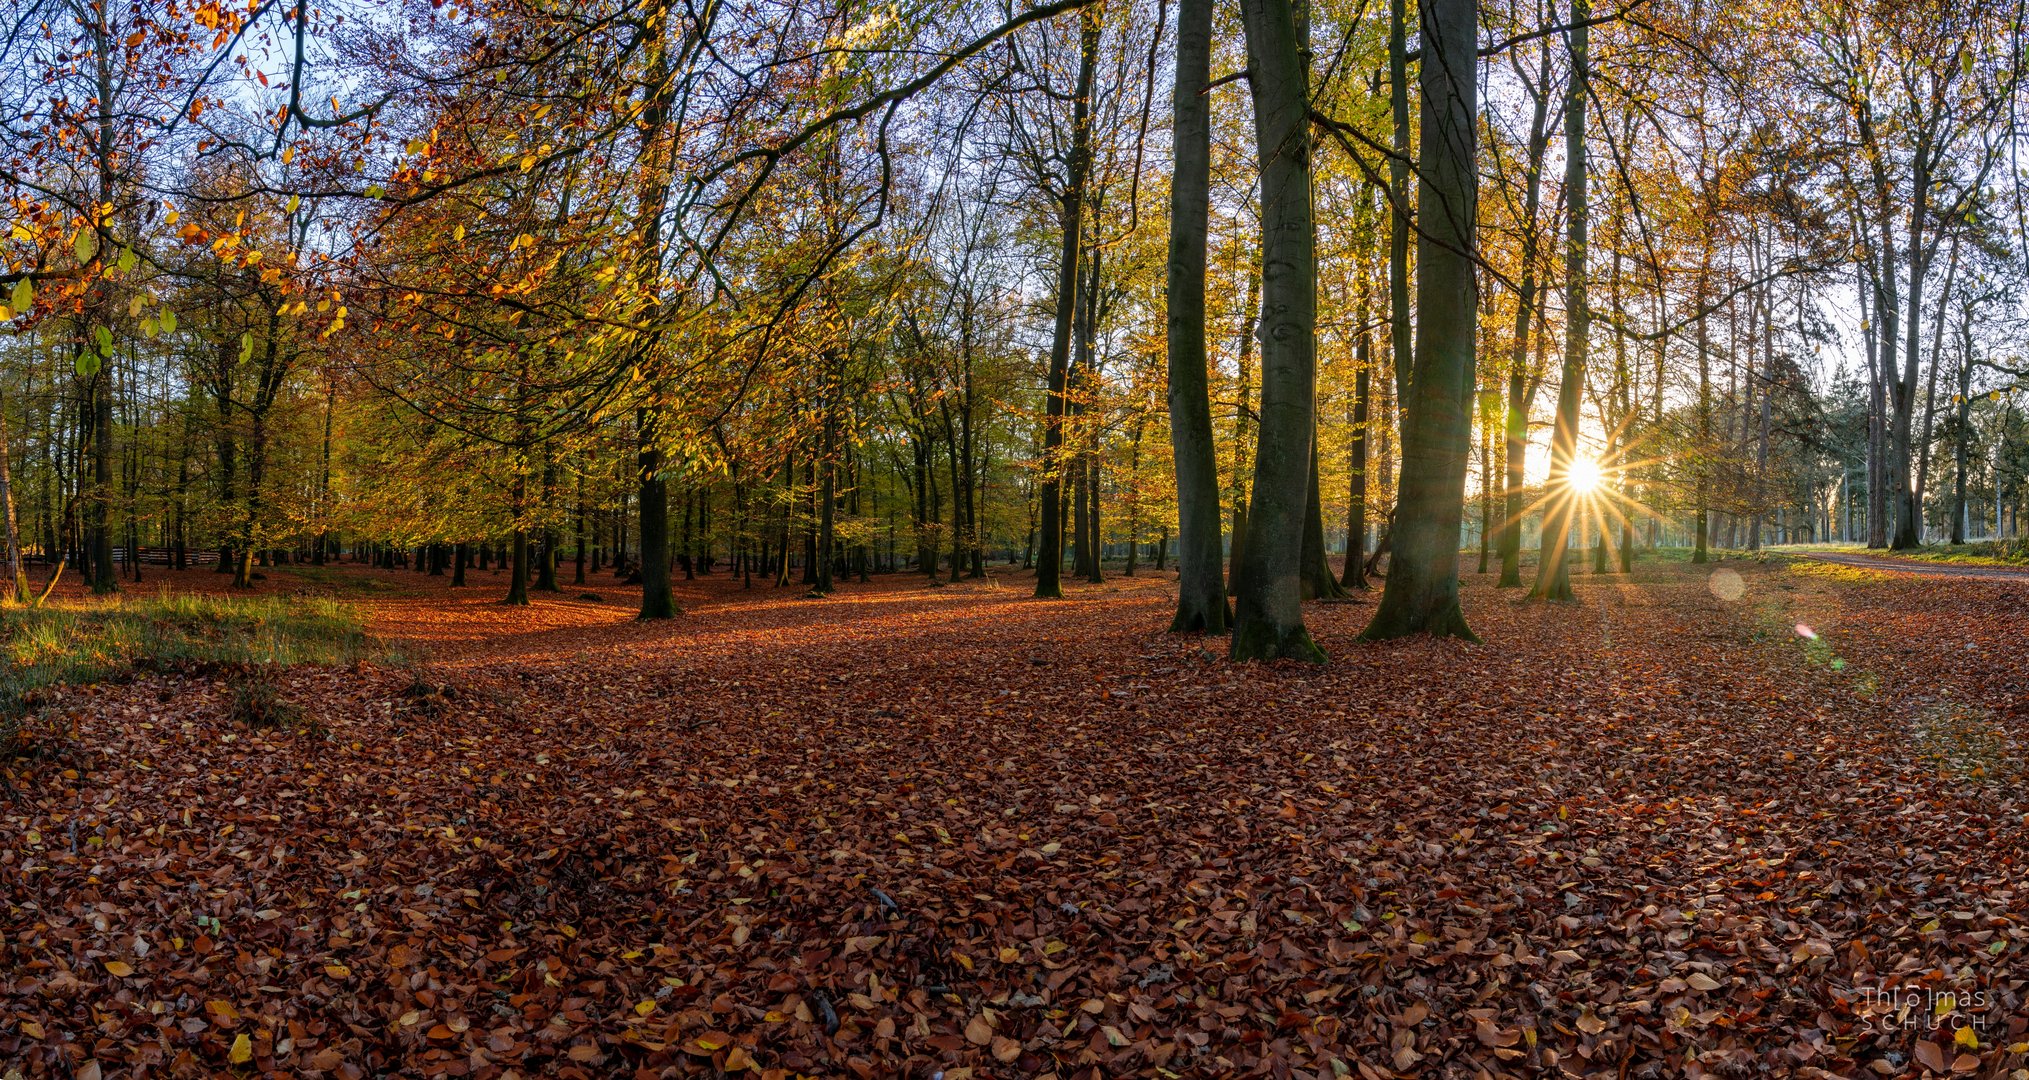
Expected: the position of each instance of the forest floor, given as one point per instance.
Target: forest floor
(1752, 819)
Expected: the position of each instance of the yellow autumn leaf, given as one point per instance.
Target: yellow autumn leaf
(1966, 1038)
(644, 1008)
(120, 968)
(242, 1050)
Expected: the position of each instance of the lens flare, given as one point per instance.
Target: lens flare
(1584, 476)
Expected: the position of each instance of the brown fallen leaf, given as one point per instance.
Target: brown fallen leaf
(979, 1030)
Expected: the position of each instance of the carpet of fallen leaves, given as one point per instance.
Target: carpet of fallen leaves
(912, 831)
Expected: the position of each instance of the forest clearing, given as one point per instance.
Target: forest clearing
(911, 829)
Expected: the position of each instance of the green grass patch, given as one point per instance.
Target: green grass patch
(92, 641)
(1827, 571)
(1982, 553)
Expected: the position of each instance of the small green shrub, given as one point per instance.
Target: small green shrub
(257, 699)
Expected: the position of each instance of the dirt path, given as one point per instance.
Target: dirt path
(1890, 564)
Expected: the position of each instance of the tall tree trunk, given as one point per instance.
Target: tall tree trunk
(1700, 551)
(1399, 220)
(1201, 581)
(1268, 619)
(546, 566)
(103, 578)
(1421, 595)
(1908, 514)
(517, 578)
(1084, 434)
(1553, 570)
(249, 540)
(1887, 313)
(16, 586)
(657, 601)
(1354, 576)
(1962, 433)
(1243, 413)
(1317, 581)
(1930, 384)
(1521, 387)
(324, 476)
(827, 498)
(1765, 421)
(788, 513)
(1050, 548)
(1490, 405)
(578, 576)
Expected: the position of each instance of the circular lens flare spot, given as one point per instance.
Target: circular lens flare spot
(1727, 585)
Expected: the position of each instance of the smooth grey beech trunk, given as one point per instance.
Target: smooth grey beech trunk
(1268, 618)
(1421, 595)
(1201, 579)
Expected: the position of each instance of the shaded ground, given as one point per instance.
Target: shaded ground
(913, 829)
